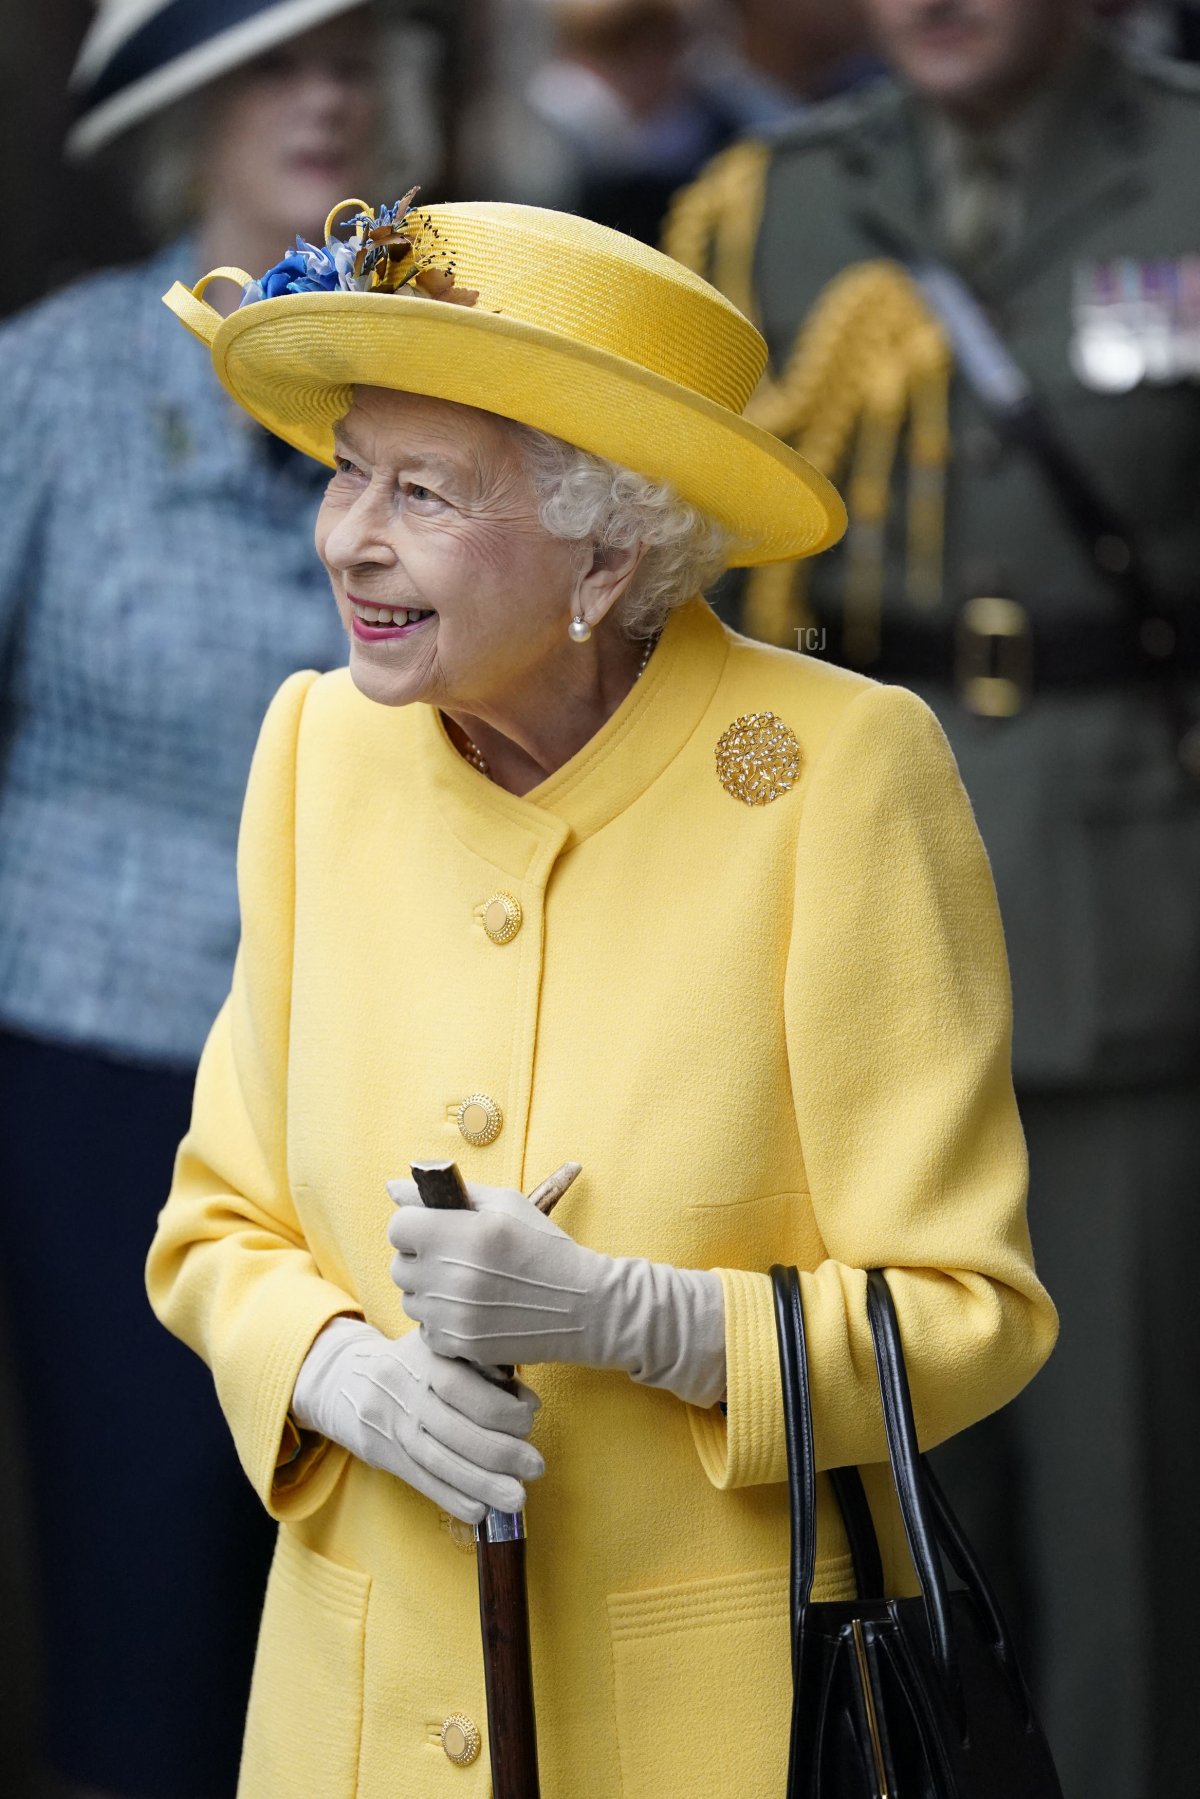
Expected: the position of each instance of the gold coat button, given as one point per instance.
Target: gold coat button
(479, 1119)
(460, 1739)
(502, 917)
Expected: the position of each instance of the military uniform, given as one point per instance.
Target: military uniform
(1092, 826)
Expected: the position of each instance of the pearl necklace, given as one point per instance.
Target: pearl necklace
(475, 756)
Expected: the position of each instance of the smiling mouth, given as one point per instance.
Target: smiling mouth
(372, 624)
(387, 615)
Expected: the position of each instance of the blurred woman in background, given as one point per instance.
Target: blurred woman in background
(129, 706)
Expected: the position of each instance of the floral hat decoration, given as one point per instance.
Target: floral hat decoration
(387, 251)
(539, 316)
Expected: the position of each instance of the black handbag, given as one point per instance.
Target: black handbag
(896, 1698)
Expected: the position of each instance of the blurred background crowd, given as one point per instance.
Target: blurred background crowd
(605, 106)
(969, 232)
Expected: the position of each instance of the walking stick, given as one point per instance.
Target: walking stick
(500, 1554)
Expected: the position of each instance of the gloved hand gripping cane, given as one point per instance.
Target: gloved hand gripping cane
(500, 1552)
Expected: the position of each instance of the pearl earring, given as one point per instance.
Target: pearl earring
(579, 630)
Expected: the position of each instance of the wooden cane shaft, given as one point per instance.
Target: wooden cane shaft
(503, 1601)
(508, 1675)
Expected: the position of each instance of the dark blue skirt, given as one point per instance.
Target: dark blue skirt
(151, 1550)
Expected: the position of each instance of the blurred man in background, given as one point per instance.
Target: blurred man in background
(980, 285)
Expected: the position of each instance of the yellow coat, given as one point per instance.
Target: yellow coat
(772, 1033)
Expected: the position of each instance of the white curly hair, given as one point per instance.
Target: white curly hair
(587, 499)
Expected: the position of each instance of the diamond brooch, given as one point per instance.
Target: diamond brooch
(758, 758)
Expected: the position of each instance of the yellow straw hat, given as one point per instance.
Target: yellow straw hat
(559, 323)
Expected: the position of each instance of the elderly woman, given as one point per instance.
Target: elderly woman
(561, 868)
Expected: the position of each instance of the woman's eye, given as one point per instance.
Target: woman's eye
(416, 491)
(343, 466)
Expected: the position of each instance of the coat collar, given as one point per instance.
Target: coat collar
(612, 770)
(1091, 161)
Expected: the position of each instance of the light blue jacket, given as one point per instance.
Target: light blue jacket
(157, 584)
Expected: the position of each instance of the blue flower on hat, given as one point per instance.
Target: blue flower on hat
(306, 269)
(392, 251)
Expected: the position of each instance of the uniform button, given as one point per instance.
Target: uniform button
(479, 1119)
(502, 917)
(460, 1739)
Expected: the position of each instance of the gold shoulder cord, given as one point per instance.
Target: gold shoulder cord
(869, 357)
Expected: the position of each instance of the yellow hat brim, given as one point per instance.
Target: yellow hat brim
(293, 362)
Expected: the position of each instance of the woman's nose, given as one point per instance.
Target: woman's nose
(360, 535)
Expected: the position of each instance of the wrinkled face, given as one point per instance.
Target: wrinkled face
(973, 54)
(431, 513)
(292, 133)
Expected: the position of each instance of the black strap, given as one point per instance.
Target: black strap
(851, 1498)
(920, 1524)
(1100, 527)
(929, 1522)
(798, 1433)
(1009, 398)
(967, 1566)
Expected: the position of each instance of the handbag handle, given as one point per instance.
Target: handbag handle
(865, 1559)
(801, 1457)
(907, 1470)
(909, 1473)
(798, 1435)
(929, 1520)
(922, 1498)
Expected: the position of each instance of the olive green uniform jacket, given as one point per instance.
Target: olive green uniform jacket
(774, 1032)
(1094, 838)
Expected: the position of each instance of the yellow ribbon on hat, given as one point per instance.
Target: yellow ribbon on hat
(190, 306)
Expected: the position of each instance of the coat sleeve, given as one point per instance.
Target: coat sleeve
(899, 1038)
(229, 1271)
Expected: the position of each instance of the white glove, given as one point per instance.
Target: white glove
(503, 1283)
(440, 1425)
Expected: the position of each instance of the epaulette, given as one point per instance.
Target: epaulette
(866, 380)
(712, 224)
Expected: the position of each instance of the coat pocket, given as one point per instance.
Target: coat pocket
(703, 1682)
(735, 1229)
(306, 1698)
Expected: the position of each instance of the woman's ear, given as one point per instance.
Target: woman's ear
(603, 580)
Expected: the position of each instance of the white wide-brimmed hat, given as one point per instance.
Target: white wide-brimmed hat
(140, 55)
